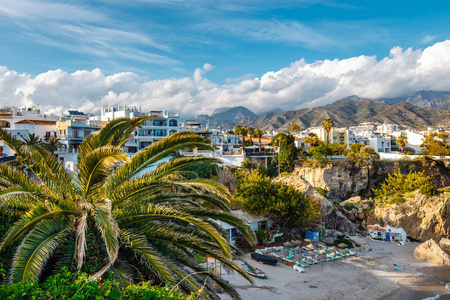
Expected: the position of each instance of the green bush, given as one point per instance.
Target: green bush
(322, 192)
(66, 285)
(428, 190)
(349, 206)
(399, 184)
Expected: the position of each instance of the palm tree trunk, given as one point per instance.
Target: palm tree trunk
(259, 143)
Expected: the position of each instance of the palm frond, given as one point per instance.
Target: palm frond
(176, 164)
(153, 213)
(36, 248)
(122, 272)
(155, 153)
(95, 168)
(49, 171)
(29, 221)
(139, 245)
(109, 230)
(224, 217)
(114, 133)
(81, 239)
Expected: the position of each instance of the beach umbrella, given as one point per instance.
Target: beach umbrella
(298, 248)
(297, 242)
(288, 244)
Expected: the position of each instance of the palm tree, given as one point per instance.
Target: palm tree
(251, 133)
(327, 125)
(52, 145)
(243, 132)
(401, 141)
(312, 139)
(294, 127)
(259, 134)
(113, 210)
(32, 139)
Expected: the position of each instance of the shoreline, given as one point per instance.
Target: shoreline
(370, 275)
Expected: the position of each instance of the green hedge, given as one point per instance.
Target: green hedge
(66, 285)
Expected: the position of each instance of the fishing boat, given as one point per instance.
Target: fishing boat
(252, 271)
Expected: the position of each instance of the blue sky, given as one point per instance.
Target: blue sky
(165, 39)
(195, 56)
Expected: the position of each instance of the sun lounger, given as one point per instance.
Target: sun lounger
(302, 264)
(298, 268)
(275, 255)
(350, 251)
(342, 254)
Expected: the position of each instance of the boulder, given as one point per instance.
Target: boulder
(352, 200)
(430, 252)
(444, 243)
(332, 217)
(422, 217)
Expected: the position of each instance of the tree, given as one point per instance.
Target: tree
(32, 139)
(327, 125)
(435, 143)
(243, 132)
(288, 152)
(294, 128)
(259, 134)
(402, 141)
(285, 206)
(312, 139)
(361, 154)
(52, 145)
(116, 212)
(251, 133)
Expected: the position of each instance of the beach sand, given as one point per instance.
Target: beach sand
(369, 275)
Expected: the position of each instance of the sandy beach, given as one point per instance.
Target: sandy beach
(369, 275)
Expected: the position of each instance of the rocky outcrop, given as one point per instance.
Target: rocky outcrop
(356, 208)
(344, 179)
(444, 243)
(341, 180)
(430, 252)
(331, 215)
(422, 217)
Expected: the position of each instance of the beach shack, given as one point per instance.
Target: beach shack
(387, 233)
(255, 223)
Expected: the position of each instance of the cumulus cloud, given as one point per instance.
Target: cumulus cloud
(402, 72)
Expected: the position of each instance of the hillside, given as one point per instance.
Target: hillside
(227, 117)
(345, 112)
(424, 99)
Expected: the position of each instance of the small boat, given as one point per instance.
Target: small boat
(252, 271)
(267, 260)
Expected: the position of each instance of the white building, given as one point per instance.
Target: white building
(341, 136)
(387, 128)
(415, 139)
(387, 233)
(21, 122)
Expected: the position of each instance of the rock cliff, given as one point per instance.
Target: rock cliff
(344, 179)
(331, 215)
(422, 217)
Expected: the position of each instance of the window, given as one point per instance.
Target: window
(173, 123)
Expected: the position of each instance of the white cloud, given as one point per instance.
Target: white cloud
(299, 85)
(428, 38)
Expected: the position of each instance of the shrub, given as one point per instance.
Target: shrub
(349, 206)
(67, 285)
(399, 184)
(428, 190)
(322, 192)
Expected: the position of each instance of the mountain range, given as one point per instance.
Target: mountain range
(420, 110)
